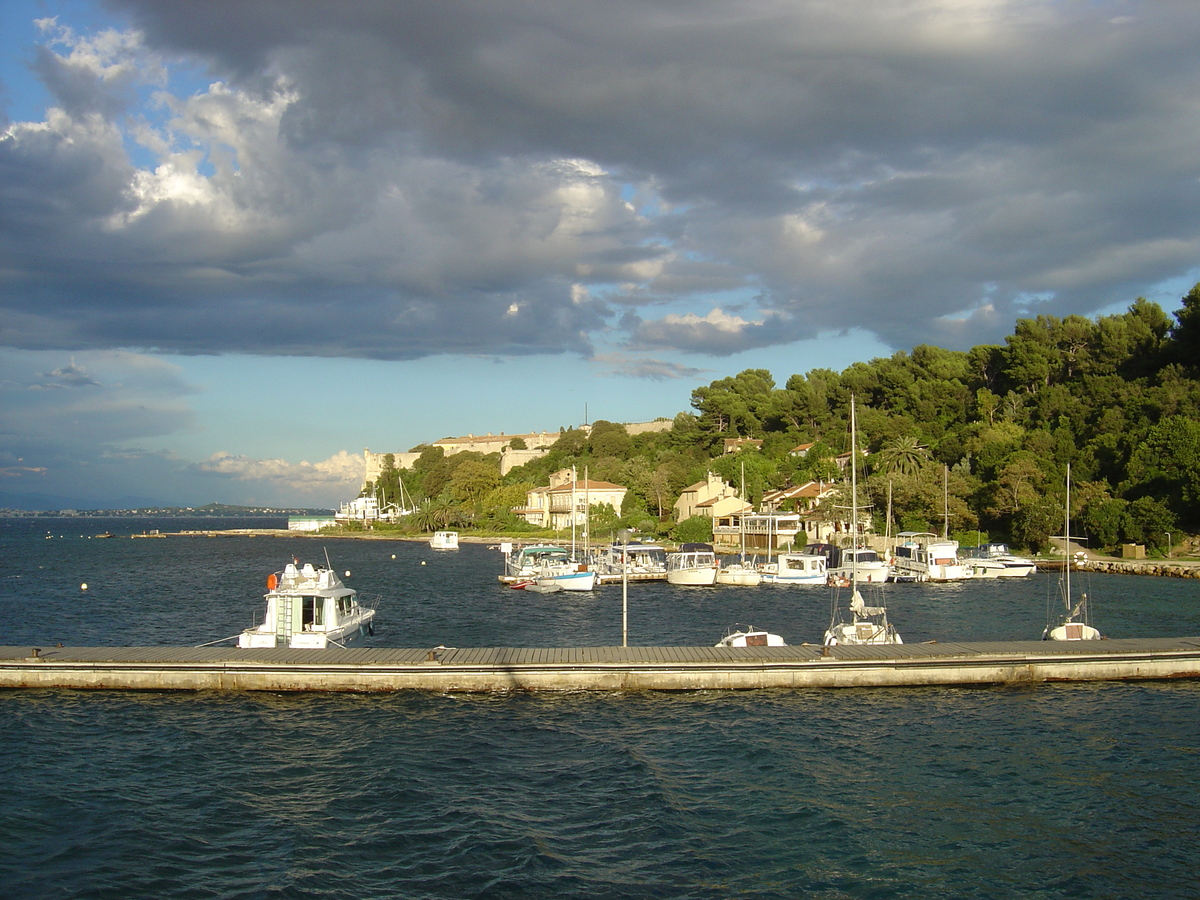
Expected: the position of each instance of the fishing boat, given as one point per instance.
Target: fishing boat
(444, 540)
(545, 563)
(692, 564)
(867, 624)
(309, 607)
(749, 636)
(1073, 624)
(995, 561)
(797, 568)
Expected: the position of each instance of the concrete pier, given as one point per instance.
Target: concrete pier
(595, 668)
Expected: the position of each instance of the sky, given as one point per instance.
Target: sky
(241, 242)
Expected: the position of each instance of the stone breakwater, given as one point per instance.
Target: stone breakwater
(1140, 567)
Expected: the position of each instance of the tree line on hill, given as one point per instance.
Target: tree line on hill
(978, 440)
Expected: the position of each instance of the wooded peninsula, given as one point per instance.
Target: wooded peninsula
(979, 438)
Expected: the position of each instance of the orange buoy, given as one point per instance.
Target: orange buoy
(272, 582)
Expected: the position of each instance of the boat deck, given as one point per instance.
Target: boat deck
(596, 668)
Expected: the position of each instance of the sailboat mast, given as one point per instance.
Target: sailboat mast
(945, 502)
(1067, 544)
(742, 515)
(853, 497)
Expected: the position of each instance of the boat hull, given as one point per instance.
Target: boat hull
(740, 577)
(573, 581)
(704, 576)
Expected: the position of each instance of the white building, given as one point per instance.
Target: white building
(565, 501)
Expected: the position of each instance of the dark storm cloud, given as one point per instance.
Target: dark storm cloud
(399, 179)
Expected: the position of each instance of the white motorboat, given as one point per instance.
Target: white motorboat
(922, 556)
(692, 564)
(864, 563)
(444, 540)
(309, 607)
(994, 561)
(546, 563)
(1074, 624)
(867, 624)
(797, 568)
(749, 636)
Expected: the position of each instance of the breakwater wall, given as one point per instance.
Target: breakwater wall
(443, 669)
(1141, 567)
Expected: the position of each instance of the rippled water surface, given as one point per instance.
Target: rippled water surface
(1054, 791)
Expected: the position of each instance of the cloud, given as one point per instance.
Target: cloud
(340, 469)
(400, 180)
(648, 369)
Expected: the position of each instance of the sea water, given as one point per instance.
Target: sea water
(1057, 791)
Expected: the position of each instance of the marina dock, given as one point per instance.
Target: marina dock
(441, 669)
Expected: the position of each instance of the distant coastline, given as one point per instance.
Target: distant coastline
(211, 510)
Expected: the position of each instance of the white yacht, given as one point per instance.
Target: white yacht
(921, 556)
(692, 564)
(994, 561)
(444, 540)
(309, 607)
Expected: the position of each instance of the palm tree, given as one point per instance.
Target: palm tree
(904, 455)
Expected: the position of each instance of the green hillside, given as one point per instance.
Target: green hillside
(1117, 397)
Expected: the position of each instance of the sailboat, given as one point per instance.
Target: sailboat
(740, 573)
(1074, 624)
(868, 624)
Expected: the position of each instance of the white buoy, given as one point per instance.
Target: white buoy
(393, 556)
(422, 562)
(347, 573)
(83, 587)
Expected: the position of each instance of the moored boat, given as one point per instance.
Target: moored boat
(749, 636)
(444, 540)
(860, 562)
(739, 574)
(543, 563)
(309, 607)
(1074, 624)
(922, 556)
(867, 624)
(995, 561)
(797, 568)
(637, 560)
(692, 564)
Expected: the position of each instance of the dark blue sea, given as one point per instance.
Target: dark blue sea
(1048, 791)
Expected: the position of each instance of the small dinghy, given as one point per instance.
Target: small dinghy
(749, 636)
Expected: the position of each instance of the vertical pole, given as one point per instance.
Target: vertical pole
(623, 534)
(625, 592)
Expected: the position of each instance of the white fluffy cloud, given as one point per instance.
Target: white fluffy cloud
(342, 471)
